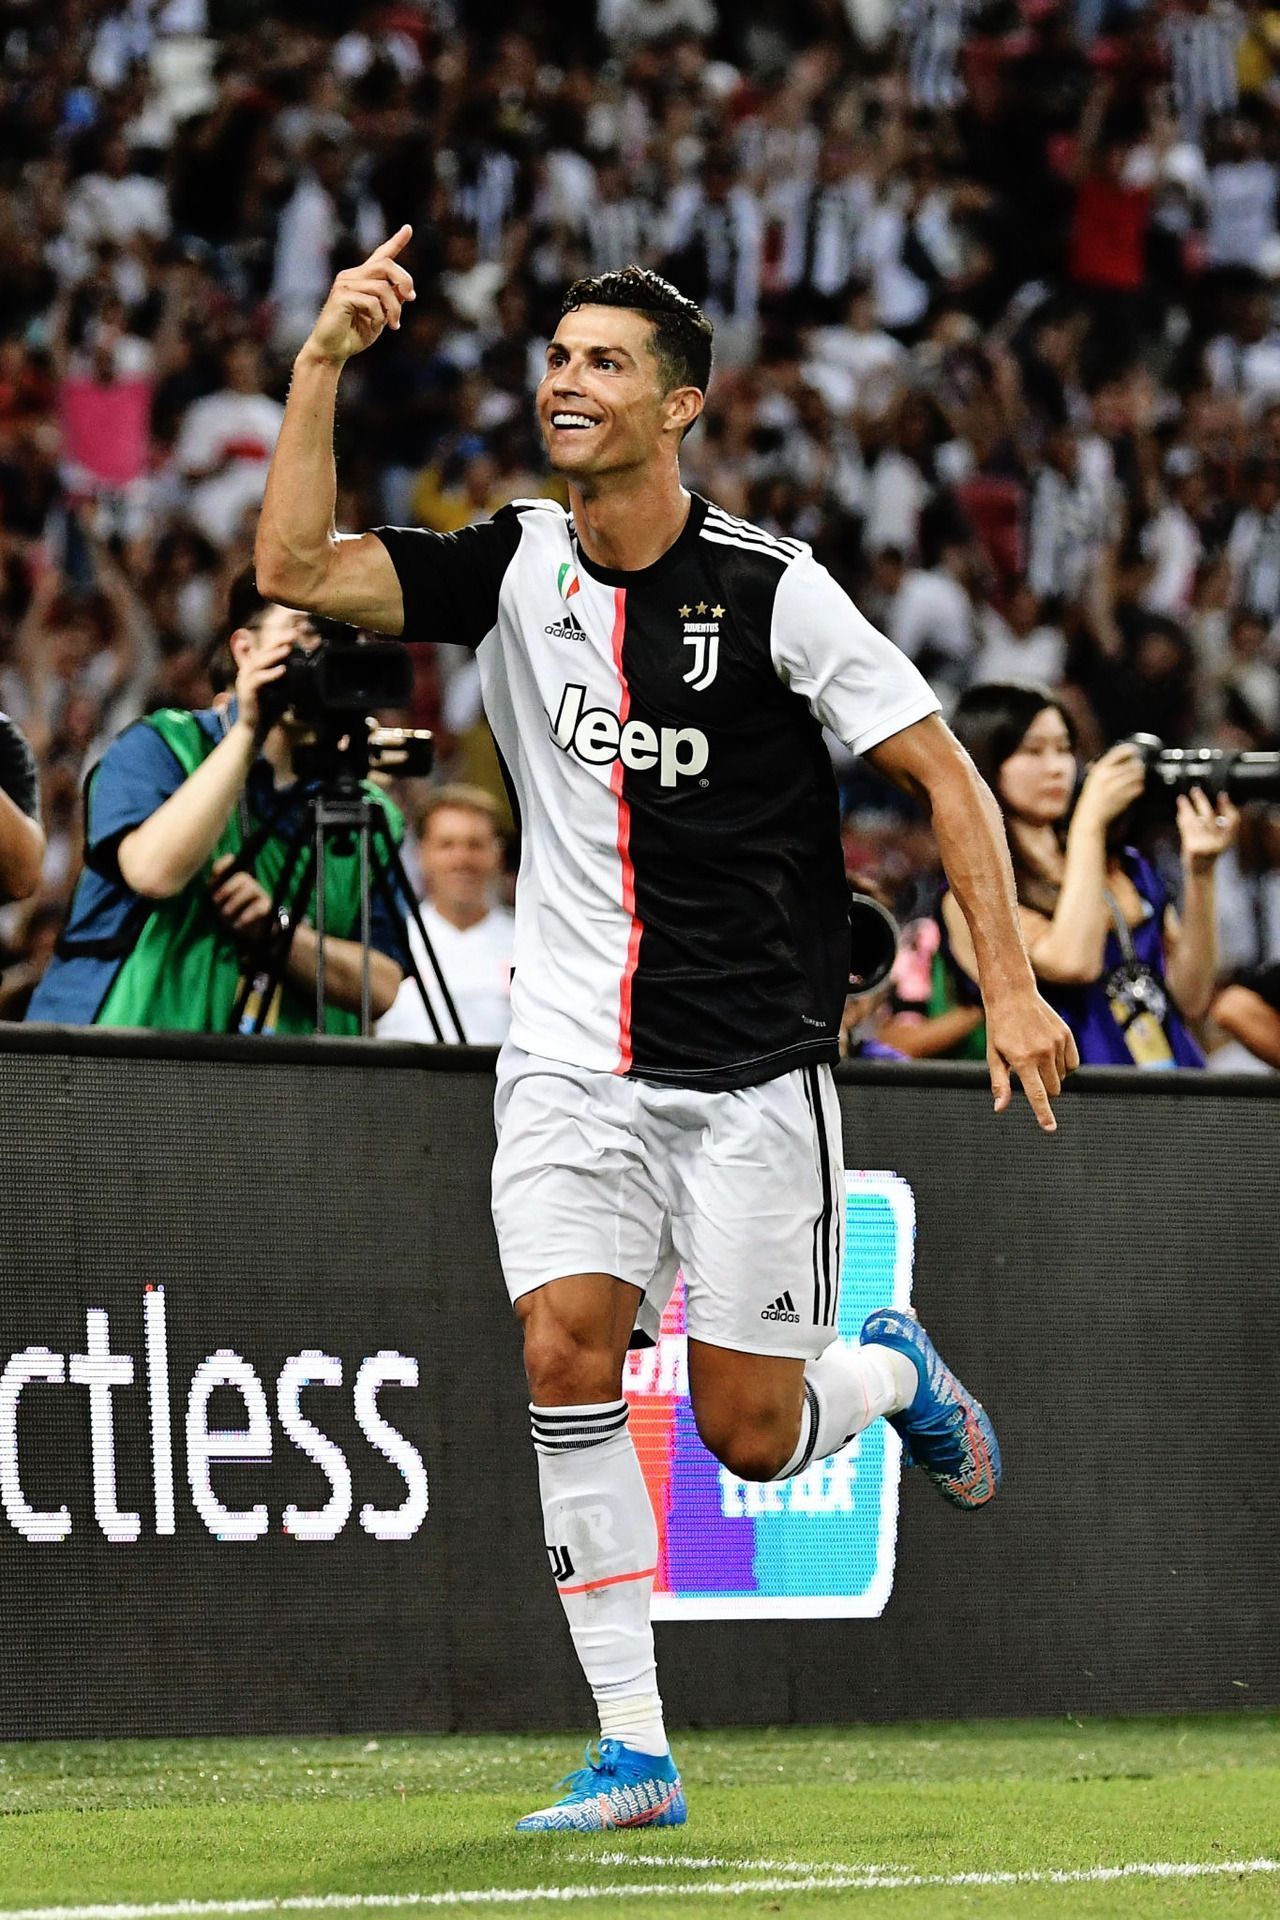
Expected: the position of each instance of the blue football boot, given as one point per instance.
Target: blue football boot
(945, 1431)
(620, 1789)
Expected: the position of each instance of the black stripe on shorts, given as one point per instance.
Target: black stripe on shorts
(823, 1279)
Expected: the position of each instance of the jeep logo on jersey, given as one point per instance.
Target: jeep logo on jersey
(597, 736)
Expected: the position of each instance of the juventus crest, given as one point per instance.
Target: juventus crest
(561, 1564)
(703, 635)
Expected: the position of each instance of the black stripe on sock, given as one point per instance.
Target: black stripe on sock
(579, 1414)
(570, 1429)
(811, 1401)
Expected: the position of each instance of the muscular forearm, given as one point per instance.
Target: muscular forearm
(21, 851)
(342, 972)
(159, 858)
(296, 526)
(1193, 965)
(975, 856)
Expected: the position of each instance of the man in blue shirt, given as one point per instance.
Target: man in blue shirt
(188, 822)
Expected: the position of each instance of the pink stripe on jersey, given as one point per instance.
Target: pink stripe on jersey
(624, 844)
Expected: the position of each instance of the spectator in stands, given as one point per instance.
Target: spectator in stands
(21, 836)
(460, 857)
(1007, 265)
(1249, 1010)
(1122, 967)
(225, 446)
(189, 820)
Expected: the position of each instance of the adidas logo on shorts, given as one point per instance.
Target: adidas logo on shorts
(783, 1308)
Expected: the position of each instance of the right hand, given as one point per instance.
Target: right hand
(1112, 783)
(265, 663)
(362, 301)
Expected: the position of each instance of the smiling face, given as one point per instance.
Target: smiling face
(461, 859)
(602, 403)
(1036, 781)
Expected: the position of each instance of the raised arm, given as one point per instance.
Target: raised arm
(300, 558)
(1024, 1034)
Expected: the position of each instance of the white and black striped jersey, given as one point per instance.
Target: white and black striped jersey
(681, 907)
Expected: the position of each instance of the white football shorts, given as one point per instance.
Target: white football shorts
(742, 1191)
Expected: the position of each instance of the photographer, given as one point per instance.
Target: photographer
(21, 836)
(1109, 950)
(189, 817)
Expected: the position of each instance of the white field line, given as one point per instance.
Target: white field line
(657, 1889)
(702, 1862)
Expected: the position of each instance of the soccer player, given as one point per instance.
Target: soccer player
(657, 675)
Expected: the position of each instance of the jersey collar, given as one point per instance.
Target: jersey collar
(643, 576)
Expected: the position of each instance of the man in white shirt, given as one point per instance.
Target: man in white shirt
(225, 445)
(460, 856)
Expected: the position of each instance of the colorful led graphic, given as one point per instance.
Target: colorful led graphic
(819, 1545)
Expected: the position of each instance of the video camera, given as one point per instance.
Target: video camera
(329, 689)
(1176, 770)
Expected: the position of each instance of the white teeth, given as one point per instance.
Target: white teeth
(572, 420)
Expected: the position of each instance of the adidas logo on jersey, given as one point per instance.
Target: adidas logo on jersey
(783, 1308)
(597, 736)
(569, 628)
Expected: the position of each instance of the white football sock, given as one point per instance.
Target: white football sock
(845, 1389)
(602, 1541)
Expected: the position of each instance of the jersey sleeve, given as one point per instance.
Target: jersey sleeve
(451, 581)
(136, 774)
(855, 681)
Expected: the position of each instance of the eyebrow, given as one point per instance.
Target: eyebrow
(558, 346)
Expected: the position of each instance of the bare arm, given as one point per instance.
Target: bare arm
(342, 972)
(163, 855)
(1191, 965)
(244, 907)
(21, 851)
(300, 558)
(1247, 1017)
(935, 1034)
(1024, 1034)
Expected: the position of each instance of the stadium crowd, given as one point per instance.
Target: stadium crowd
(997, 297)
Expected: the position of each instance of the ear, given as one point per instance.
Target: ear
(682, 407)
(241, 644)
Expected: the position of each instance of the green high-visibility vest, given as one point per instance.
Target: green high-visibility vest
(185, 972)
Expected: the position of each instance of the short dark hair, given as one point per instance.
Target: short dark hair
(246, 607)
(682, 333)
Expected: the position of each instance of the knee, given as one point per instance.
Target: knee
(750, 1449)
(566, 1366)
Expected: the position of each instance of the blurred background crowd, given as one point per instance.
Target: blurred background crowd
(997, 297)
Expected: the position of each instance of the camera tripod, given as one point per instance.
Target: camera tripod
(334, 812)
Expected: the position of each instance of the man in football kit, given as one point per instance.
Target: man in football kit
(657, 675)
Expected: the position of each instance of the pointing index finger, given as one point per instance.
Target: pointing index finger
(396, 244)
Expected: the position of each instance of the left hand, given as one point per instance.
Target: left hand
(240, 902)
(1026, 1037)
(1205, 834)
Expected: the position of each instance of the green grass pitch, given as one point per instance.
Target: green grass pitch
(904, 1822)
